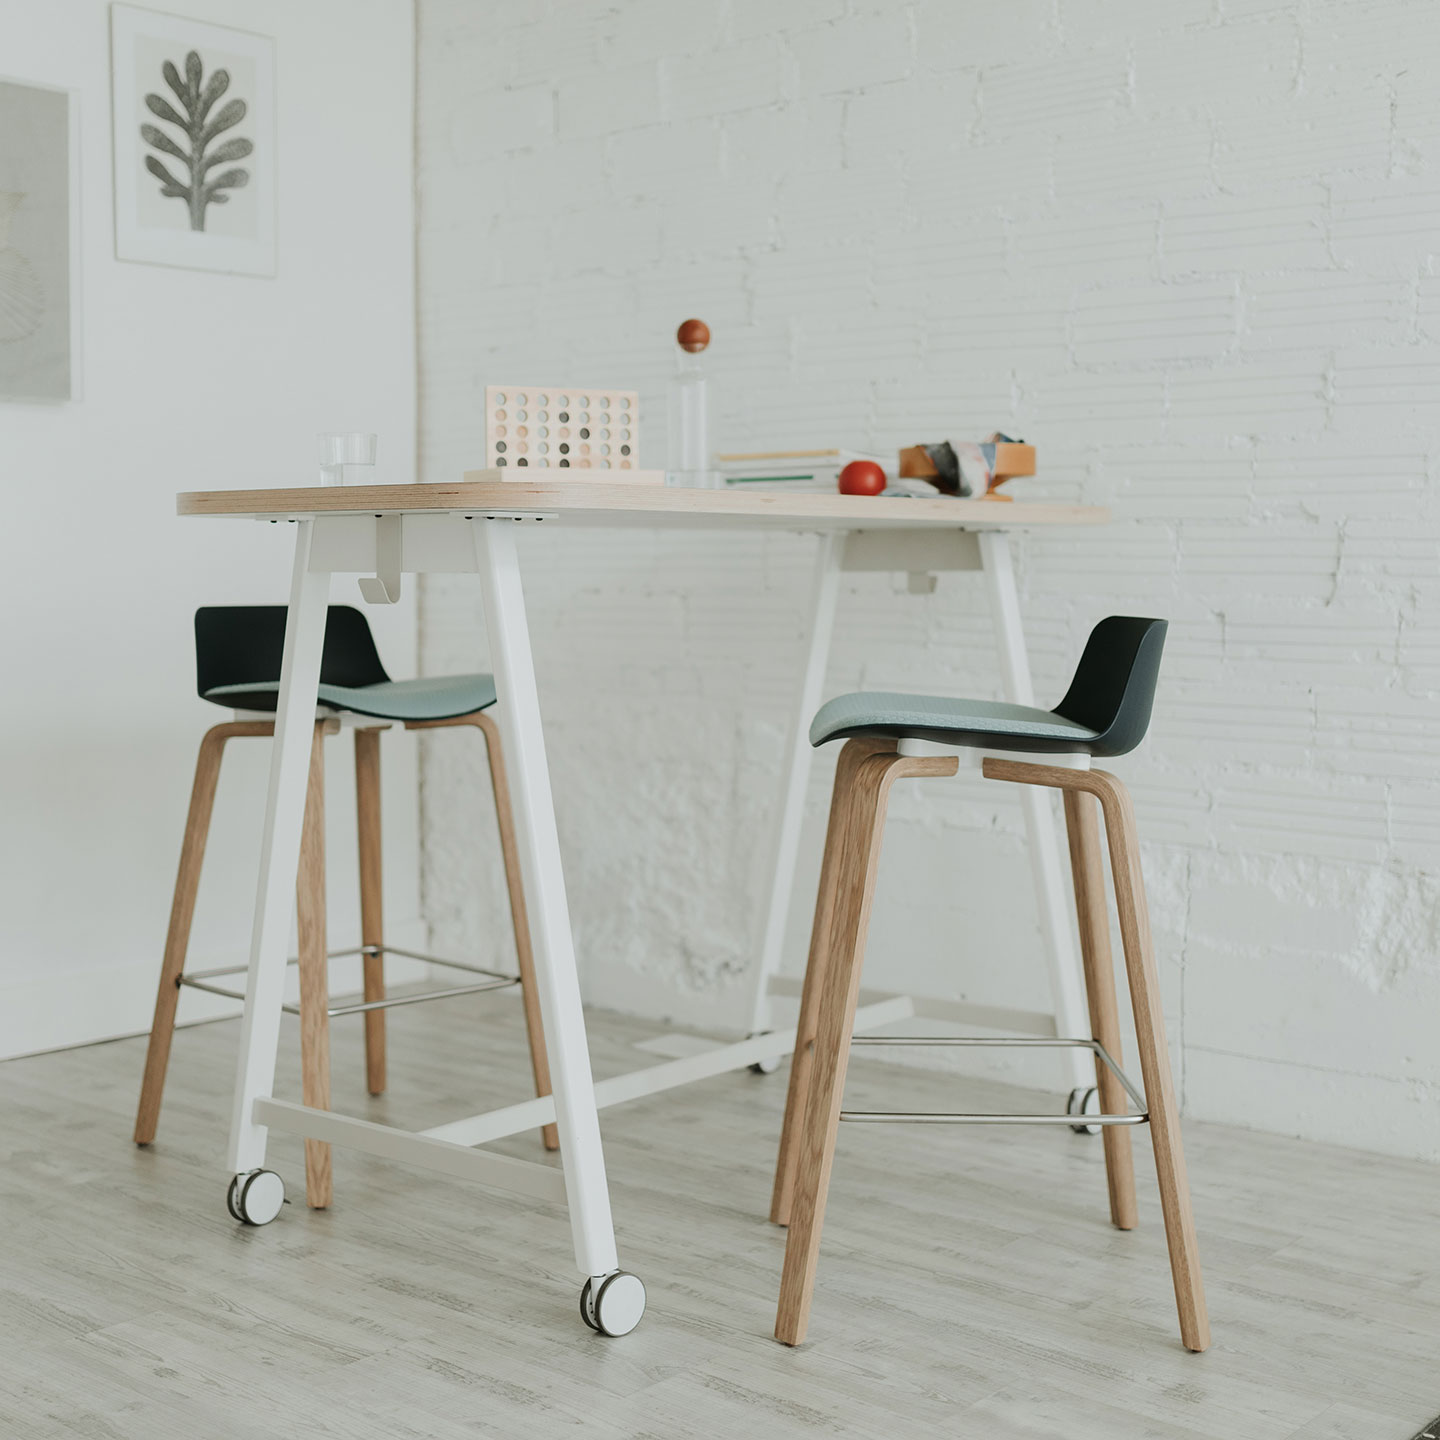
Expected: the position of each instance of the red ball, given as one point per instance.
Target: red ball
(862, 477)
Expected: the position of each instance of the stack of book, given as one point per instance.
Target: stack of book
(793, 469)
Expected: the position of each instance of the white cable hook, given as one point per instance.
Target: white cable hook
(383, 588)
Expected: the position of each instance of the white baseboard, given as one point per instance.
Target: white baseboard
(58, 1012)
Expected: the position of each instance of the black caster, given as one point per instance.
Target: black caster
(765, 1067)
(613, 1307)
(255, 1198)
(1084, 1100)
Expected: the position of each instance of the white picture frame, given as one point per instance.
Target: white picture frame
(39, 244)
(176, 81)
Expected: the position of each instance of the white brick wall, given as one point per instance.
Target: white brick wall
(1191, 250)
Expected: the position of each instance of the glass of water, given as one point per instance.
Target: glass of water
(341, 448)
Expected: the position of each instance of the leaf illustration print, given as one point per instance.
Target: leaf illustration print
(200, 129)
(22, 297)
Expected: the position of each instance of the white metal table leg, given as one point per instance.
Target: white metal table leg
(1066, 988)
(824, 593)
(280, 851)
(557, 979)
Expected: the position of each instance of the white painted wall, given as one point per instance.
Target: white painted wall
(191, 380)
(1189, 249)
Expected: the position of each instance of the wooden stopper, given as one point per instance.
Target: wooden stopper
(693, 335)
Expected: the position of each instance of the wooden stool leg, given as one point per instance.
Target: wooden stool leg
(1154, 1058)
(182, 912)
(372, 909)
(851, 756)
(314, 983)
(519, 919)
(860, 816)
(1082, 826)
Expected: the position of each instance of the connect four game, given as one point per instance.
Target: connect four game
(547, 428)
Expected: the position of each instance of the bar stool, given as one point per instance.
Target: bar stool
(1106, 711)
(238, 651)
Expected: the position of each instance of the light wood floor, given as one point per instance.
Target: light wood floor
(969, 1285)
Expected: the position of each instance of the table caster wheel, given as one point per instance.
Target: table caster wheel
(764, 1067)
(255, 1197)
(613, 1307)
(1084, 1100)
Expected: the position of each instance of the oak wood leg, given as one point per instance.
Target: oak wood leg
(510, 853)
(314, 986)
(1144, 982)
(861, 821)
(515, 885)
(851, 756)
(1154, 1058)
(372, 905)
(182, 913)
(1082, 827)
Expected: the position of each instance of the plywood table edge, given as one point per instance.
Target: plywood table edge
(644, 500)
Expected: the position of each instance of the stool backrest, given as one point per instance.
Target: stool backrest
(244, 644)
(1113, 690)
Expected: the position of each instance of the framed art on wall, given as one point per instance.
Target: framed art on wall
(194, 122)
(39, 334)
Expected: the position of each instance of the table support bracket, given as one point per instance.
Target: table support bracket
(653, 1079)
(524, 1177)
(383, 588)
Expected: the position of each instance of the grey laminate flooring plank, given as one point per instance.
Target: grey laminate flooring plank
(969, 1285)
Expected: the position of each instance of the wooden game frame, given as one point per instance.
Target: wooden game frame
(558, 432)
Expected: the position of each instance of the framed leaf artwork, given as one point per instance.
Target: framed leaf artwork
(39, 250)
(194, 122)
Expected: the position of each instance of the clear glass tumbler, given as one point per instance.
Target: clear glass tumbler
(342, 448)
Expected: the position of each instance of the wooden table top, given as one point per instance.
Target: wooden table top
(587, 502)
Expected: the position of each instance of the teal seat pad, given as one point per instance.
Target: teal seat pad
(956, 722)
(438, 697)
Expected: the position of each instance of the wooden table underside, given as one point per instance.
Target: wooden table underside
(589, 503)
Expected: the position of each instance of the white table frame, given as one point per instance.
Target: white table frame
(989, 551)
(384, 532)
